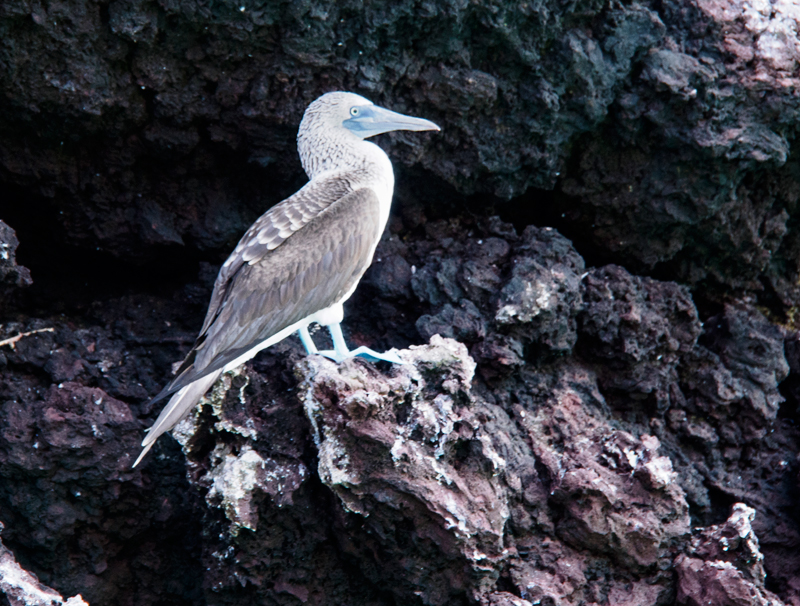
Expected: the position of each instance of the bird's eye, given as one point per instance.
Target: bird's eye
(353, 111)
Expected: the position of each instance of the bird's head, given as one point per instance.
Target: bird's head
(336, 121)
(348, 113)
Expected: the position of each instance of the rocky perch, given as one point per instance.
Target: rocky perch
(437, 489)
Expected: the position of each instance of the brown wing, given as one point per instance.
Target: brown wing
(271, 230)
(281, 286)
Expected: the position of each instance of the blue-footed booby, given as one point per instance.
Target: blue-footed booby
(302, 259)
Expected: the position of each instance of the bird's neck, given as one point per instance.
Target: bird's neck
(361, 163)
(324, 153)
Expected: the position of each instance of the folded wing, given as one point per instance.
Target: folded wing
(300, 257)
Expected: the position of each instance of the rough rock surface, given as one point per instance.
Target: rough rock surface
(21, 588)
(725, 565)
(602, 395)
(696, 175)
(12, 275)
(74, 511)
(441, 496)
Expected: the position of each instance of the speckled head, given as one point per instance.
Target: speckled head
(358, 116)
(336, 121)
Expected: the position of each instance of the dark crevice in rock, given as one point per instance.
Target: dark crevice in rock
(70, 280)
(720, 506)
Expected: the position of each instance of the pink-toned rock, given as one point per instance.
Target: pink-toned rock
(619, 496)
(725, 566)
(411, 450)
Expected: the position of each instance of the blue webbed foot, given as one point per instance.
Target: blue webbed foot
(362, 352)
(341, 352)
(374, 356)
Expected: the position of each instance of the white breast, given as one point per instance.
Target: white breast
(377, 174)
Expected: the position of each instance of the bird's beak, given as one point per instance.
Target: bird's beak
(373, 120)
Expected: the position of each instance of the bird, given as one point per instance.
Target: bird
(303, 258)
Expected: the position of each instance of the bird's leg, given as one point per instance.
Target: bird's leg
(340, 348)
(308, 342)
(341, 352)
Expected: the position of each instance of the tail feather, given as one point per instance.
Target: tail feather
(179, 404)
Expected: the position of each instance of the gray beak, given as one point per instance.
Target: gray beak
(373, 120)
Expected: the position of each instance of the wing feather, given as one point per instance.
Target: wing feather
(260, 293)
(271, 230)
